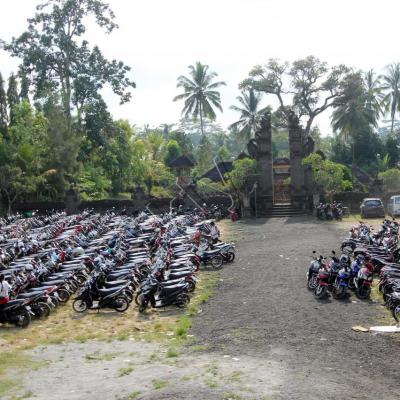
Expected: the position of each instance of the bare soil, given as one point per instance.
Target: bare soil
(262, 336)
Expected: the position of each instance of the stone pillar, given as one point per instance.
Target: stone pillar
(72, 201)
(260, 148)
(298, 195)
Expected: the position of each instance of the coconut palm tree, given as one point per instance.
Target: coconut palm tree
(391, 85)
(250, 113)
(200, 93)
(373, 96)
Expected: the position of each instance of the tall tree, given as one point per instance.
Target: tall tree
(250, 112)
(24, 86)
(374, 96)
(12, 96)
(200, 93)
(3, 108)
(391, 85)
(56, 55)
(312, 86)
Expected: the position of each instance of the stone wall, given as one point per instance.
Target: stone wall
(354, 199)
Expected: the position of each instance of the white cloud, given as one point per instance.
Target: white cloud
(159, 38)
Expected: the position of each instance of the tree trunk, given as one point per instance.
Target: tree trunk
(201, 120)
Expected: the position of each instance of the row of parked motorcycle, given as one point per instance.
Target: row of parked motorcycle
(366, 253)
(330, 211)
(108, 260)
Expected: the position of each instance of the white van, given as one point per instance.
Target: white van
(394, 206)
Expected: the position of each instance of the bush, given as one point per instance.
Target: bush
(391, 178)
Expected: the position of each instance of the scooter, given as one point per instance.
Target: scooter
(162, 296)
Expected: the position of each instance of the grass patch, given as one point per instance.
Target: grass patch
(171, 353)
(197, 348)
(184, 324)
(231, 396)
(159, 384)
(211, 383)
(98, 356)
(235, 376)
(125, 371)
(130, 396)
(11, 364)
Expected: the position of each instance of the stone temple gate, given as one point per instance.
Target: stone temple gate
(260, 148)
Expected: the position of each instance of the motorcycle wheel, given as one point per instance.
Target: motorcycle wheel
(137, 298)
(55, 301)
(312, 283)
(44, 310)
(129, 296)
(216, 262)
(63, 295)
(363, 292)
(351, 284)
(230, 257)
(143, 304)
(121, 304)
(23, 319)
(79, 305)
(81, 278)
(339, 292)
(182, 300)
(191, 286)
(320, 292)
(396, 313)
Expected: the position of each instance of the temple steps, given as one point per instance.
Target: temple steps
(283, 210)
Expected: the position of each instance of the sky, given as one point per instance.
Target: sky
(160, 38)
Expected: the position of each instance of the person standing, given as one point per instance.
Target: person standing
(214, 232)
(4, 290)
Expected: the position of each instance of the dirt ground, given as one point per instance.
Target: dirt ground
(262, 336)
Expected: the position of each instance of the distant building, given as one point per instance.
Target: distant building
(215, 175)
(182, 167)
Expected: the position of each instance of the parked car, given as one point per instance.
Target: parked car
(372, 208)
(394, 206)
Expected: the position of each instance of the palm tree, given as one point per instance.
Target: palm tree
(392, 87)
(250, 114)
(373, 96)
(199, 93)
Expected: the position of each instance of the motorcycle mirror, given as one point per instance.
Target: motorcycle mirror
(333, 252)
(314, 252)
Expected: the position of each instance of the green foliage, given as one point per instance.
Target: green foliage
(12, 96)
(391, 178)
(200, 93)
(93, 183)
(173, 151)
(3, 108)
(328, 174)
(57, 56)
(207, 186)
(243, 175)
(250, 113)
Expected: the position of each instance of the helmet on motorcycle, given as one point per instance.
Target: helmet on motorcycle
(344, 260)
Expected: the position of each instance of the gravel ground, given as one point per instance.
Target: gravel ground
(262, 336)
(264, 310)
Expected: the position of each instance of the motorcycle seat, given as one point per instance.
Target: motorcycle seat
(41, 288)
(106, 292)
(111, 284)
(54, 282)
(12, 303)
(30, 294)
(212, 251)
(173, 288)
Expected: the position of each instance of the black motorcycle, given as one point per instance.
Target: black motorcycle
(107, 298)
(162, 296)
(16, 312)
